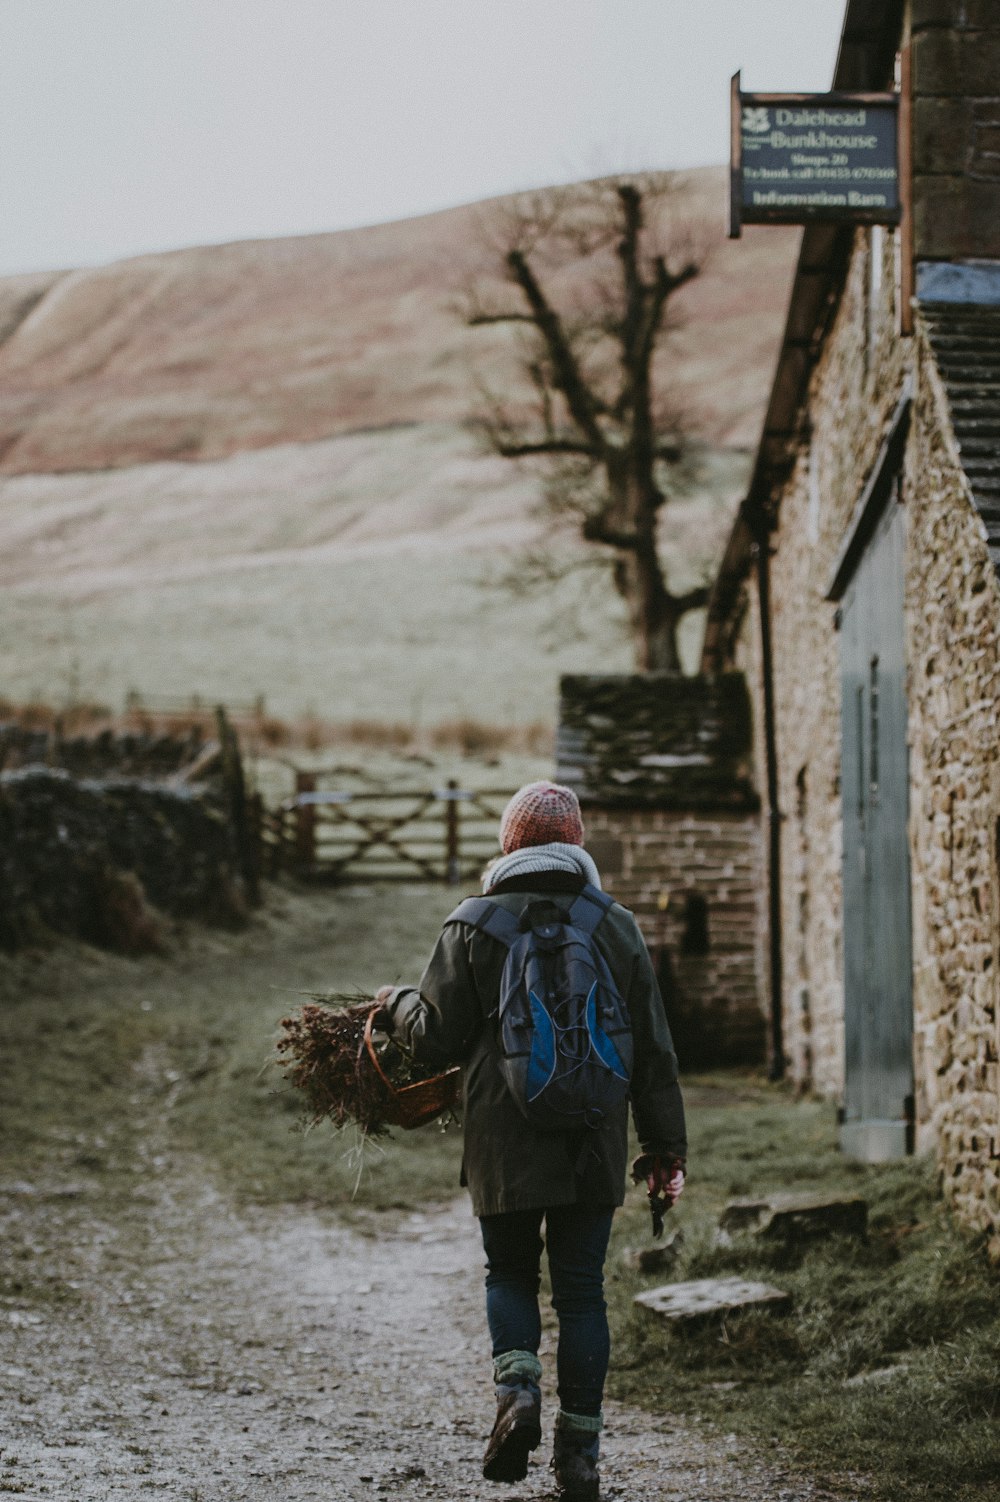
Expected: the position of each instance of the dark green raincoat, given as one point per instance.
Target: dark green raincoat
(508, 1164)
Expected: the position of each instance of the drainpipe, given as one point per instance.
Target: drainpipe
(760, 530)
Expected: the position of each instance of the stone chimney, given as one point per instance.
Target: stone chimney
(956, 129)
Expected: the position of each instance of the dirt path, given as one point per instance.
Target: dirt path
(156, 1339)
(279, 1355)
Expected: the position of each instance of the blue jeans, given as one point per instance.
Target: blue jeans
(577, 1246)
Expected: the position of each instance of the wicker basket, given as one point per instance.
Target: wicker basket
(413, 1105)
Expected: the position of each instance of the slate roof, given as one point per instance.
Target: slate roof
(657, 740)
(965, 338)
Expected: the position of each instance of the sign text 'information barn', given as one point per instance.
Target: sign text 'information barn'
(798, 158)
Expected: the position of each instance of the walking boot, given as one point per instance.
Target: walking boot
(575, 1455)
(518, 1426)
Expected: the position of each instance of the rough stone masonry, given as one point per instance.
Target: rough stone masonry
(949, 493)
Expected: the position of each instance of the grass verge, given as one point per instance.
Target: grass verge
(98, 1052)
(886, 1367)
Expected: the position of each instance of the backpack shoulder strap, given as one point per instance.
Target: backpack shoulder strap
(489, 917)
(589, 908)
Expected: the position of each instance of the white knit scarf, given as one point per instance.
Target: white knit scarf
(556, 856)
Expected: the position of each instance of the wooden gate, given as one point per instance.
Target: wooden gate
(445, 834)
(878, 1007)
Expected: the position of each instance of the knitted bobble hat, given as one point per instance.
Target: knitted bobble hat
(539, 814)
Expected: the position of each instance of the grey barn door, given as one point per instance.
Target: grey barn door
(878, 1017)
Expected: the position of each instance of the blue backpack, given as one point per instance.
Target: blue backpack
(564, 1031)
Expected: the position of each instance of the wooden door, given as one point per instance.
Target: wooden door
(878, 1003)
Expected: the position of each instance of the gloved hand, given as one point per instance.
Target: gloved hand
(383, 1021)
(664, 1178)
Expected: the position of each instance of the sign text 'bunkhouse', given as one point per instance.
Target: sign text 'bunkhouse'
(797, 158)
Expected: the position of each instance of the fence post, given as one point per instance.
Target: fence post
(280, 833)
(255, 824)
(305, 823)
(452, 865)
(236, 796)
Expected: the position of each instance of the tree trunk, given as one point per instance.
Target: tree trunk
(652, 617)
(660, 651)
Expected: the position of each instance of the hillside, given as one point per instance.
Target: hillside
(224, 468)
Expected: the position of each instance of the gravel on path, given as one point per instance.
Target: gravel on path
(278, 1354)
(158, 1338)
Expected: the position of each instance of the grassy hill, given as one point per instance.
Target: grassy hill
(243, 469)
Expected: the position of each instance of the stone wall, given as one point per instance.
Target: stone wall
(748, 658)
(85, 858)
(956, 128)
(106, 752)
(953, 643)
(103, 834)
(694, 882)
(953, 656)
(854, 391)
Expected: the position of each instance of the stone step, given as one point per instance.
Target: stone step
(654, 1259)
(678, 1302)
(794, 1218)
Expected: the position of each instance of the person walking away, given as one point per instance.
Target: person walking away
(548, 1157)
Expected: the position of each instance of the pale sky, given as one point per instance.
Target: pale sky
(136, 125)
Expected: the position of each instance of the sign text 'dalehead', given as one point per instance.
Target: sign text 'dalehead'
(799, 159)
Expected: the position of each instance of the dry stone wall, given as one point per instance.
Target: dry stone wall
(853, 395)
(952, 624)
(748, 658)
(100, 837)
(86, 857)
(953, 639)
(693, 881)
(107, 752)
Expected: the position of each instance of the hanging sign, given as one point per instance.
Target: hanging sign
(799, 158)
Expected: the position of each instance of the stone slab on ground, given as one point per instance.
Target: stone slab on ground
(704, 1296)
(654, 1259)
(795, 1218)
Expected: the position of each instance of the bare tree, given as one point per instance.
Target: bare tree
(591, 412)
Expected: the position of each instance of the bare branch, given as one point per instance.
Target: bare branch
(594, 268)
(596, 528)
(664, 286)
(528, 448)
(566, 372)
(477, 320)
(692, 599)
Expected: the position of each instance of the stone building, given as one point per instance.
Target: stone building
(859, 592)
(662, 767)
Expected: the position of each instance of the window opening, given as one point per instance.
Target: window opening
(694, 938)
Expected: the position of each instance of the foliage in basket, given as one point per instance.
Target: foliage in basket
(324, 1054)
